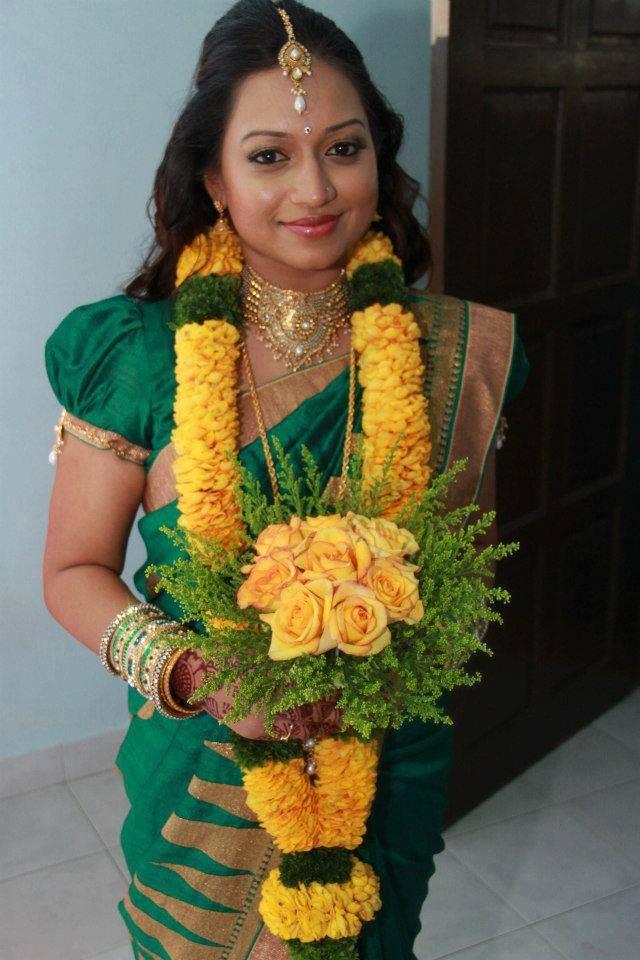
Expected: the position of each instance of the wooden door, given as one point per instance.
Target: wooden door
(542, 214)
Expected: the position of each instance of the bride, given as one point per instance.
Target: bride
(277, 176)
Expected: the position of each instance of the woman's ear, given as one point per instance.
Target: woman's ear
(213, 186)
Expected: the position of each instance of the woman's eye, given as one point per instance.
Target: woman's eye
(265, 157)
(263, 153)
(349, 143)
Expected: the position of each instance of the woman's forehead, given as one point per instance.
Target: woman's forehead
(264, 102)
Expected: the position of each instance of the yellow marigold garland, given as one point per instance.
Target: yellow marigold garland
(330, 813)
(393, 403)
(390, 371)
(331, 809)
(210, 252)
(207, 425)
(314, 911)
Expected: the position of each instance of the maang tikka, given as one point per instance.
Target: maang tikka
(295, 61)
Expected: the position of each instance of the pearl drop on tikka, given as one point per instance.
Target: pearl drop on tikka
(300, 104)
(310, 768)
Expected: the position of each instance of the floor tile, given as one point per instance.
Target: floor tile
(43, 827)
(65, 912)
(613, 815)
(623, 721)
(125, 952)
(40, 768)
(118, 856)
(103, 799)
(511, 800)
(589, 760)
(454, 892)
(606, 930)
(94, 755)
(523, 944)
(544, 862)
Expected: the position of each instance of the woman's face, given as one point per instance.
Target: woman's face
(272, 172)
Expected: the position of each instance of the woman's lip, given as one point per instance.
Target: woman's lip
(318, 227)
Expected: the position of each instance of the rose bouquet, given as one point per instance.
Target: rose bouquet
(332, 598)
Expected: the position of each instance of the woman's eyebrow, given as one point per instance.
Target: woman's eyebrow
(280, 133)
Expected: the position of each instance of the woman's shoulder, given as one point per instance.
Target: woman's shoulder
(100, 321)
(99, 361)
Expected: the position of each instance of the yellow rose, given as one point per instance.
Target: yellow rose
(312, 524)
(394, 584)
(268, 576)
(298, 623)
(286, 535)
(358, 621)
(334, 553)
(385, 538)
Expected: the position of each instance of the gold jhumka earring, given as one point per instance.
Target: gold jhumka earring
(222, 224)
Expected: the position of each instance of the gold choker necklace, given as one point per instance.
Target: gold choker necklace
(297, 326)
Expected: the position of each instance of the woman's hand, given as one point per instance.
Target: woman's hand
(319, 719)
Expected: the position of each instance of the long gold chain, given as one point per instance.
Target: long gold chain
(273, 477)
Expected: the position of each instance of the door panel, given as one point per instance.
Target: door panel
(542, 217)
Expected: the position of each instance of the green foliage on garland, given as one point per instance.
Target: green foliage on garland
(256, 753)
(406, 679)
(207, 298)
(320, 865)
(381, 282)
(325, 949)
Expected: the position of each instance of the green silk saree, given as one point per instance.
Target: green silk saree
(195, 853)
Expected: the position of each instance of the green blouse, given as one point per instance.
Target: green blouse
(112, 363)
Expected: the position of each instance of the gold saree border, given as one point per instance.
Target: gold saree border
(443, 322)
(269, 947)
(488, 359)
(103, 439)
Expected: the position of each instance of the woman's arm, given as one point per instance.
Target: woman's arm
(94, 502)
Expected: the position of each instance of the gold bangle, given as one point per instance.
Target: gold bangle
(164, 686)
(148, 663)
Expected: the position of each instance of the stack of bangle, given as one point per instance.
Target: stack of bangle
(129, 648)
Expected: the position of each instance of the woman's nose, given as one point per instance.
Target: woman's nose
(312, 187)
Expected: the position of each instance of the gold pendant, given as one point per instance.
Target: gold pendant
(297, 326)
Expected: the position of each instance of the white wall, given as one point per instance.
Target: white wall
(89, 90)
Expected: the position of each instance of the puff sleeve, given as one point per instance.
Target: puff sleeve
(520, 367)
(97, 364)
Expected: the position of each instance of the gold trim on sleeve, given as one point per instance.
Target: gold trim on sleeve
(97, 437)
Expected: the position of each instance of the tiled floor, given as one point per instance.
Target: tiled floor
(546, 869)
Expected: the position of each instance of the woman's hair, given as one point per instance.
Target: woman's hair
(243, 41)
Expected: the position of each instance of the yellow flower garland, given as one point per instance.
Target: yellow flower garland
(330, 813)
(313, 911)
(206, 425)
(206, 420)
(393, 403)
(332, 810)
